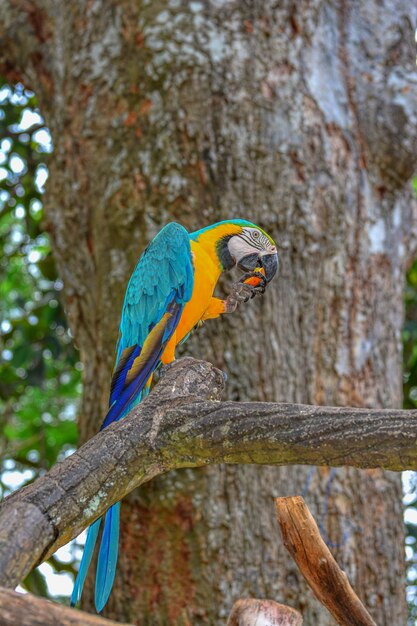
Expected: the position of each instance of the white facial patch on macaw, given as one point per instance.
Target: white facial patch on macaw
(249, 241)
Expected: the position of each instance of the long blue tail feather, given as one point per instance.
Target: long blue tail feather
(107, 556)
(85, 561)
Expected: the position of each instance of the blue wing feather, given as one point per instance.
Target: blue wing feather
(164, 272)
(161, 284)
(128, 392)
(124, 364)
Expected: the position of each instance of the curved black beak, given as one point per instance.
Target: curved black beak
(269, 262)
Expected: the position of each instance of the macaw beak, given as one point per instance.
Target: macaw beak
(248, 262)
(269, 262)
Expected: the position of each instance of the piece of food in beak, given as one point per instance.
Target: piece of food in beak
(255, 280)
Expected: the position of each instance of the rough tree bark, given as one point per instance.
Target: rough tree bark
(298, 116)
(19, 609)
(250, 612)
(182, 424)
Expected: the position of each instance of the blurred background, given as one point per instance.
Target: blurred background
(40, 373)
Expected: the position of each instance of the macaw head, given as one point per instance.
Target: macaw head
(253, 248)
(239, 243)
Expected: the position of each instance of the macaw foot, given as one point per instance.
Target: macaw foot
(163, 368)
(241, 292)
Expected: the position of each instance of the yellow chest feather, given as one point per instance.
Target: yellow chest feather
(206, 275)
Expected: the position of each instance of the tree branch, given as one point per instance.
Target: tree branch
(17, 609)
(182, 424)
(330, 584)
(250, 612)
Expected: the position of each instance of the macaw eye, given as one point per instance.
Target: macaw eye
(256, 234)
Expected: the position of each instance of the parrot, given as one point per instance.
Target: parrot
(169, 294)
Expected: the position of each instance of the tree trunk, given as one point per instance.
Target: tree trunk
(297, 116)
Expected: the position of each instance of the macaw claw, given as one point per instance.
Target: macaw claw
(242, 292)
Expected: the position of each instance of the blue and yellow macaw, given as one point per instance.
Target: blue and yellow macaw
(169, 293)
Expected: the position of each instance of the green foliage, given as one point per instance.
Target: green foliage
(410, 340)
(40, 373)
(410, 402)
